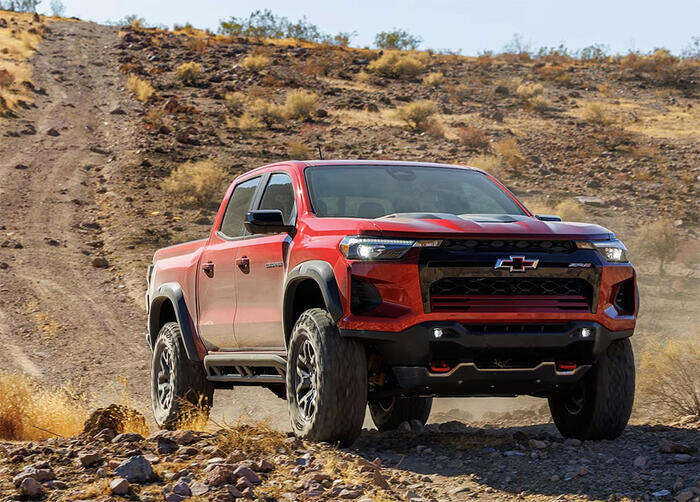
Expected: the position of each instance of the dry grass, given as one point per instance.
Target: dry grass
(196, 183)
(94, 490)
(473, 137)
(397, 65)
(29, 411)
(668, 377)
(489, 163)
(568, 210)
(255, 62)
(417, 115)
(255, 440)
(531, 96)
(658, 241)
(270, 113)
(300, 104)
(597, 115)
(235, 102)
(189, 73)
(246, 122)
(297, 149)
(154, 118)
(141, 88)
(434, 79)
(508, 152)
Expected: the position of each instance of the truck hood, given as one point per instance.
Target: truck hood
(440, 225)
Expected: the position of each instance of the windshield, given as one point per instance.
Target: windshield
(375, 191)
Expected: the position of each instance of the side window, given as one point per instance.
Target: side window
(279, 194)
(238, 204)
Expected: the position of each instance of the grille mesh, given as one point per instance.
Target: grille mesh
(511, 286)
(530, 246)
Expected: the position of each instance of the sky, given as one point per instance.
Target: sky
(471, 26)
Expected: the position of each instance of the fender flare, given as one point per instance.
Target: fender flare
(172, 291)
(322, 273)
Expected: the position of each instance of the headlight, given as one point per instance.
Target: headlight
(612, 250)
(355, 247)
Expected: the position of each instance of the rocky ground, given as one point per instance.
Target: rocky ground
(441, 462)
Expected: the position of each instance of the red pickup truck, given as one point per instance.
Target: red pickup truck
(342, 284)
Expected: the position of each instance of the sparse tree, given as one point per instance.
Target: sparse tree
(20, 5)
(518, 45)
(57, 8)
(659, 241)
(397, 39)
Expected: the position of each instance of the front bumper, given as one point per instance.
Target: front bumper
(487, 359)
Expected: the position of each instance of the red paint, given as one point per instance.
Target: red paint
(252, 301)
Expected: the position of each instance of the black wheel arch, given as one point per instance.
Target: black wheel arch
(168, 304)
(313, 272)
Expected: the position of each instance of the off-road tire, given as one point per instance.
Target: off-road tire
(601, 404)
(191, 391)
(389, 414)
(339, 378)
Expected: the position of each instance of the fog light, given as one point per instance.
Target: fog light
(586, 332)
(438, 332)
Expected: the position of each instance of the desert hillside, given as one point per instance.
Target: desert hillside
(116, 141)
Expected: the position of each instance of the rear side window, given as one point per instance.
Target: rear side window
(238, 204)
(279, 194)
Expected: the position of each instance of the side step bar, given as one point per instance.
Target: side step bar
(243, 363)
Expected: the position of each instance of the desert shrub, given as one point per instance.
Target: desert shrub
(435, 79)
(397, 39)
(596, 115)
(267, 111)
(300, 104)
(397, 65)
(255, 62)
(196, 183)
(57, 8)
(154, 117)
(555, 73)
(189, 73)
(141, 88)
(235, 102)
(658, 241)
(472, 137)
(529, 91)
(489, 163)
(570, 210)
(298, 150)
(508, 152)
(30, 411)
(507, 86)
(418, 114)
(669, 380)
(247, 122)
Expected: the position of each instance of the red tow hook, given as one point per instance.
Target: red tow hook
(440, 367)
(566, 366)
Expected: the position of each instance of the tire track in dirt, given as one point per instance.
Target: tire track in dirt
(58, 311)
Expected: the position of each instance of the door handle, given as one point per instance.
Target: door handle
(244, 264)
(208, 269)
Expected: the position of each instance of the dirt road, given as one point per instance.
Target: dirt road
(61, 318)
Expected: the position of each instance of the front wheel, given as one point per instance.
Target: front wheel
(179, 387)
(601, 403)
(326, 381)
(388, 414)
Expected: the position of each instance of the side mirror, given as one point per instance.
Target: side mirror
(547, 217)
(266, 221)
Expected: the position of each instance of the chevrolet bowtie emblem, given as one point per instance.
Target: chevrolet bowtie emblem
(516, 263)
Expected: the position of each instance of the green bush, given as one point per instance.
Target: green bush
(397, 39)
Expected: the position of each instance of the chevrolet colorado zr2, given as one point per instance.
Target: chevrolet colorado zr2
(342, 284)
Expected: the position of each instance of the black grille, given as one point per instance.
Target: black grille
(509, 246)
(511, 286)
(485, 329)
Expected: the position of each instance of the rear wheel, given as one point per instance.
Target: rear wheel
(601, 403)
(326, 381)
(179, 387)
(388, 414)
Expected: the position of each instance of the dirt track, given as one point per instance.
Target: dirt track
(60, 317)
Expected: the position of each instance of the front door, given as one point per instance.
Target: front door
(216, 277)
(262, 262)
